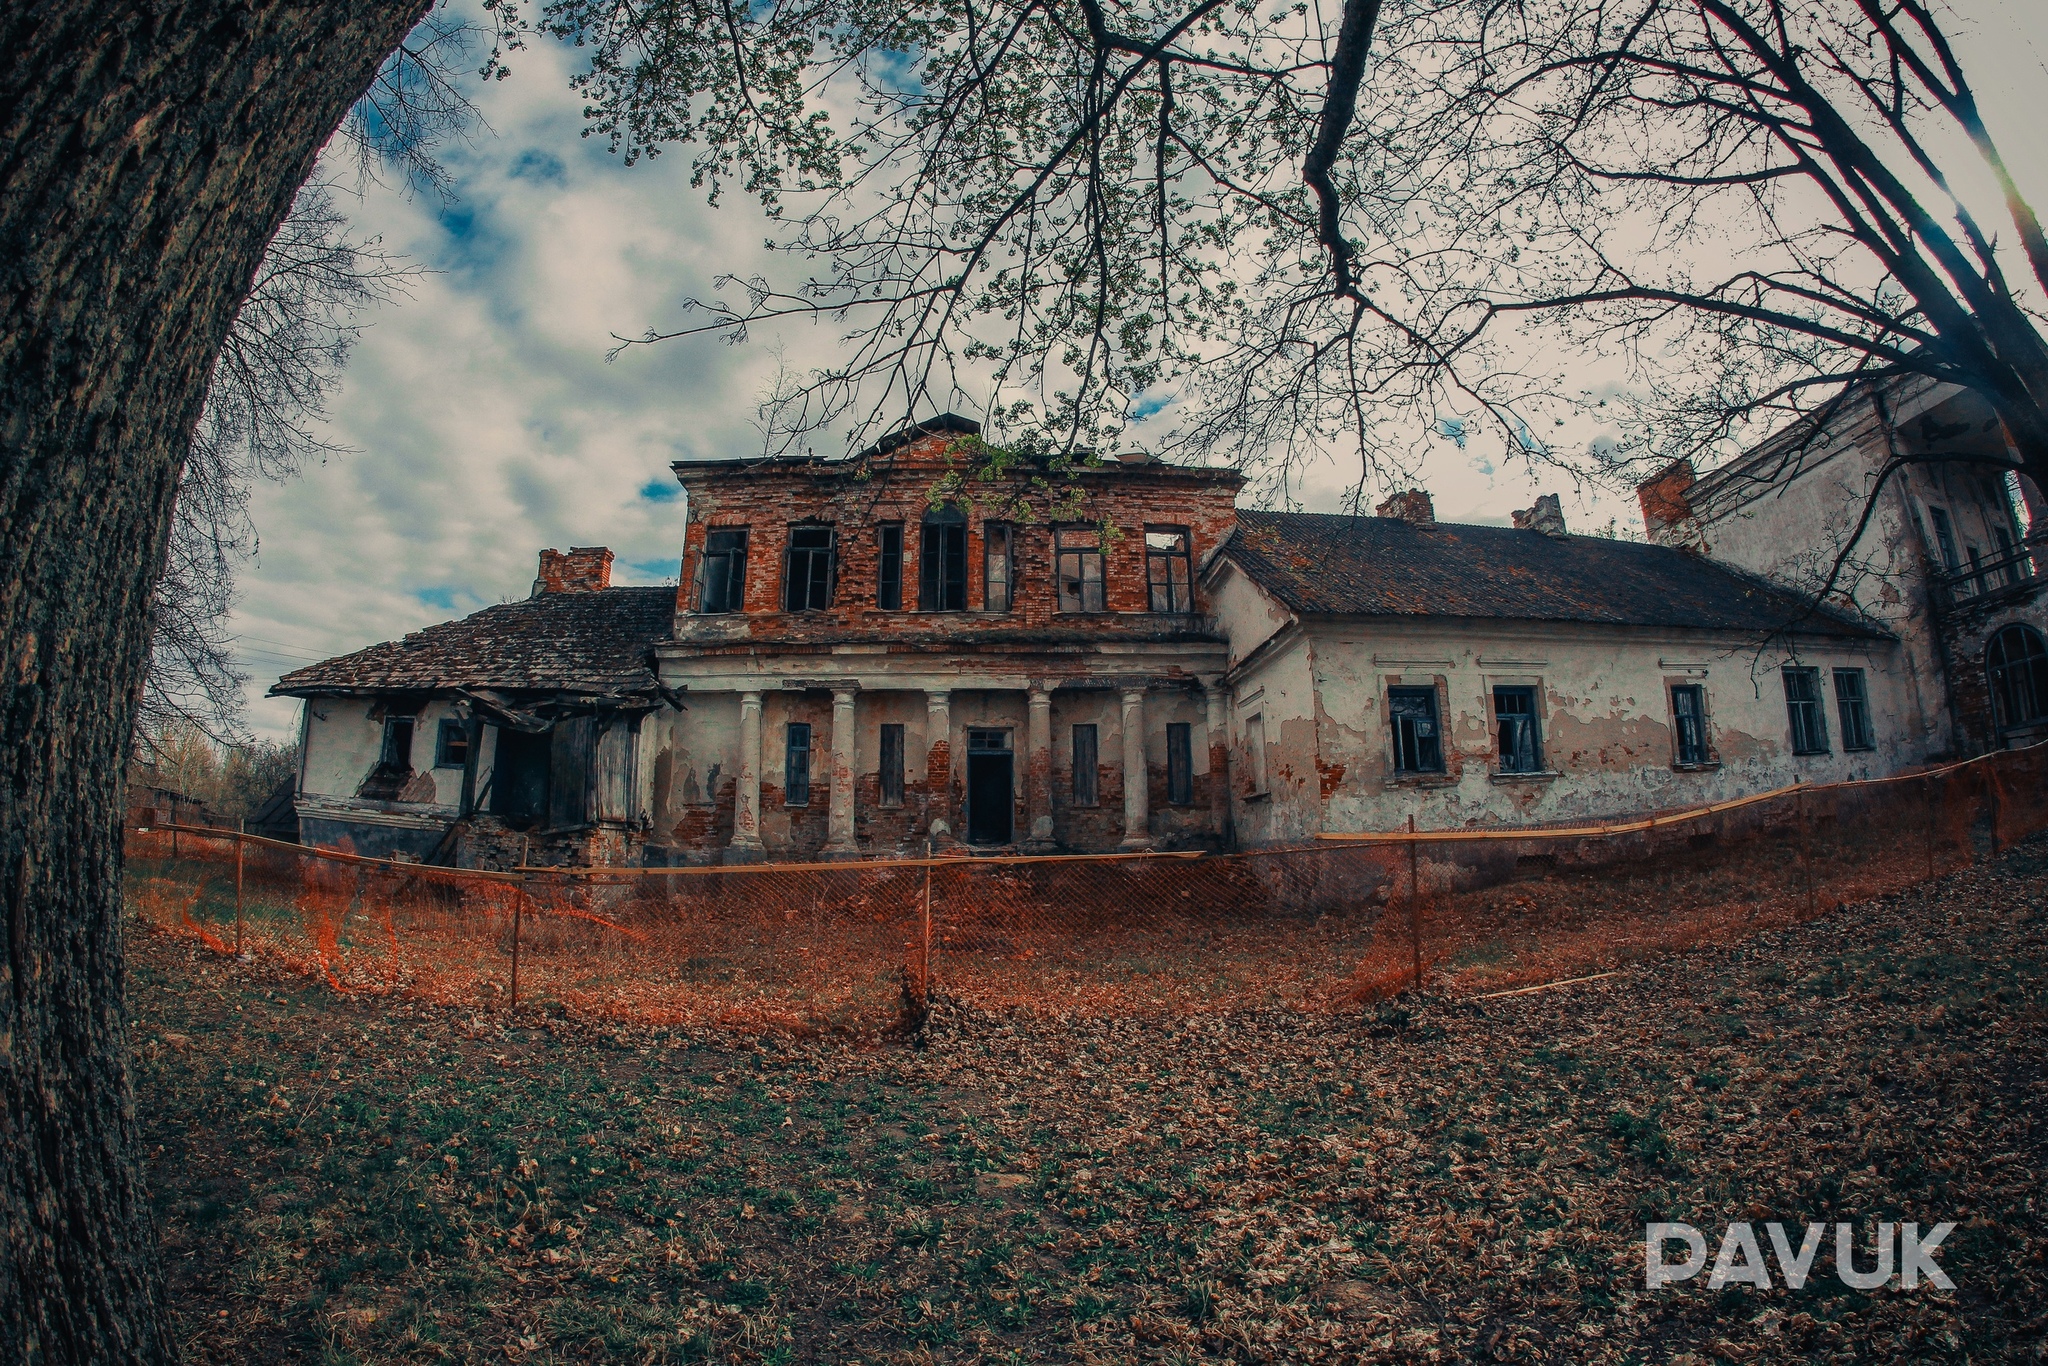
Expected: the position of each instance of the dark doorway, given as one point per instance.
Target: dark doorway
(519, 777)
(990, 789)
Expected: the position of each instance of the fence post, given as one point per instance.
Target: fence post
(924, 984)
(1929, 796)
(1806, 847)
(518, 907)
(1991, 781)
(239, 824)
(1414, 906)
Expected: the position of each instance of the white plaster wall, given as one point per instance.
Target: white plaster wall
(342, 745)
(1280, 688)
(1606, 721)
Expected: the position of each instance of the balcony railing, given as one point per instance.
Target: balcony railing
(2003, 574)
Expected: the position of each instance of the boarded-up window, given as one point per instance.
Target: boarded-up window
(569, 760)
(616, 772)
(1084, 766)
(1255, 752)
(891, 776)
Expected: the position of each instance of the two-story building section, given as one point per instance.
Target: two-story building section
(877, 651)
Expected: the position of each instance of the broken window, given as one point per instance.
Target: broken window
(1852, 704)
(890, 778)
(1169, 569)
(1084, 766)
(1945, 539)
(1802, 707)
(1078, 568)
(1418, 743)
(1180, 764)
(1689, 714)
(796, 765)
(396, 755)
(942, 562)
(997, 566)
(889, 566)
(1521, 741)
(2017, 660)
(725, 570)
(1255, 753)
(808, 570)
(451, 745)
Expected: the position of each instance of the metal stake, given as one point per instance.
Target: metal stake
(924, 986)
(239, 824)
(1927, 800)
(518, 905)
(1414, 906)
(1806, 849)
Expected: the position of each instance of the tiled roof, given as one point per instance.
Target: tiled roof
(580, 642)
(1322, 564)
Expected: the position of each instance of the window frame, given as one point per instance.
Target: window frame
(447, 755)
(815, 583)
(991, 533)
(732, 562)
(1999, 676)
(1858, 732)
(1944, 539)
(1410, 745)
(889, 765)
(1704, 751)
(796, 763)
(889, 566)
(942, 561)
(1082, 544)
(388, 755)
(1530, 720)
(1084, 788)
(1809, 738)
(1180, 764)
(1176, 589)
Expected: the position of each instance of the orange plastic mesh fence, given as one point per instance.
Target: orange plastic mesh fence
(859, 945)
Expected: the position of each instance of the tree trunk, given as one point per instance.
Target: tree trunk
(147, 153)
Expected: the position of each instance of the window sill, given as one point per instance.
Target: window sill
(1258, 796)
(1712, 765)
(1536, 776)
(1423, 780)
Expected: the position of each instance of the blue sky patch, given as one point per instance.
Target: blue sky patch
(661, 491)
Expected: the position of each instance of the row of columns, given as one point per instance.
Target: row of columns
(839, 828)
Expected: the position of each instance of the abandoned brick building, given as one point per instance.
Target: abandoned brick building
(911, 645)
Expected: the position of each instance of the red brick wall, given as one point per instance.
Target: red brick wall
(582, 569)
(857, 496)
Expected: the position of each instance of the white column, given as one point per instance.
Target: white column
(839, 817)
(1038, 764)
(746, 807)
(938, 762)
(1137, 782)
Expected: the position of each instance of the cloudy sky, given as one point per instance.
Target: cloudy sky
(483, 422)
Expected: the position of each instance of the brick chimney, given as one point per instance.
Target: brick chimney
(1667, 515)
(1412, 507)
(582, 569)
(1547, 517)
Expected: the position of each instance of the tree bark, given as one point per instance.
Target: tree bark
(147, 153)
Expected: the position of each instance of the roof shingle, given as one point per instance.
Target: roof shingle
(577, 642)
(1323, 564)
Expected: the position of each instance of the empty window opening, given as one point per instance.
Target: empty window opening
(396, 754)
(998, 565)
(1180, 764)
(807, 577)
(451, 745)
(889, 566)
(1521, 740)
(725, 570)
(796, 765)
(1852, 704)
(1803, 710)
(891, 775)
(1168, 569)
(1083, 784)
(2017, 660)
(1945, 539)
(1418, 744)
(1689, 715)
(1078, 567)
(942, 562)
